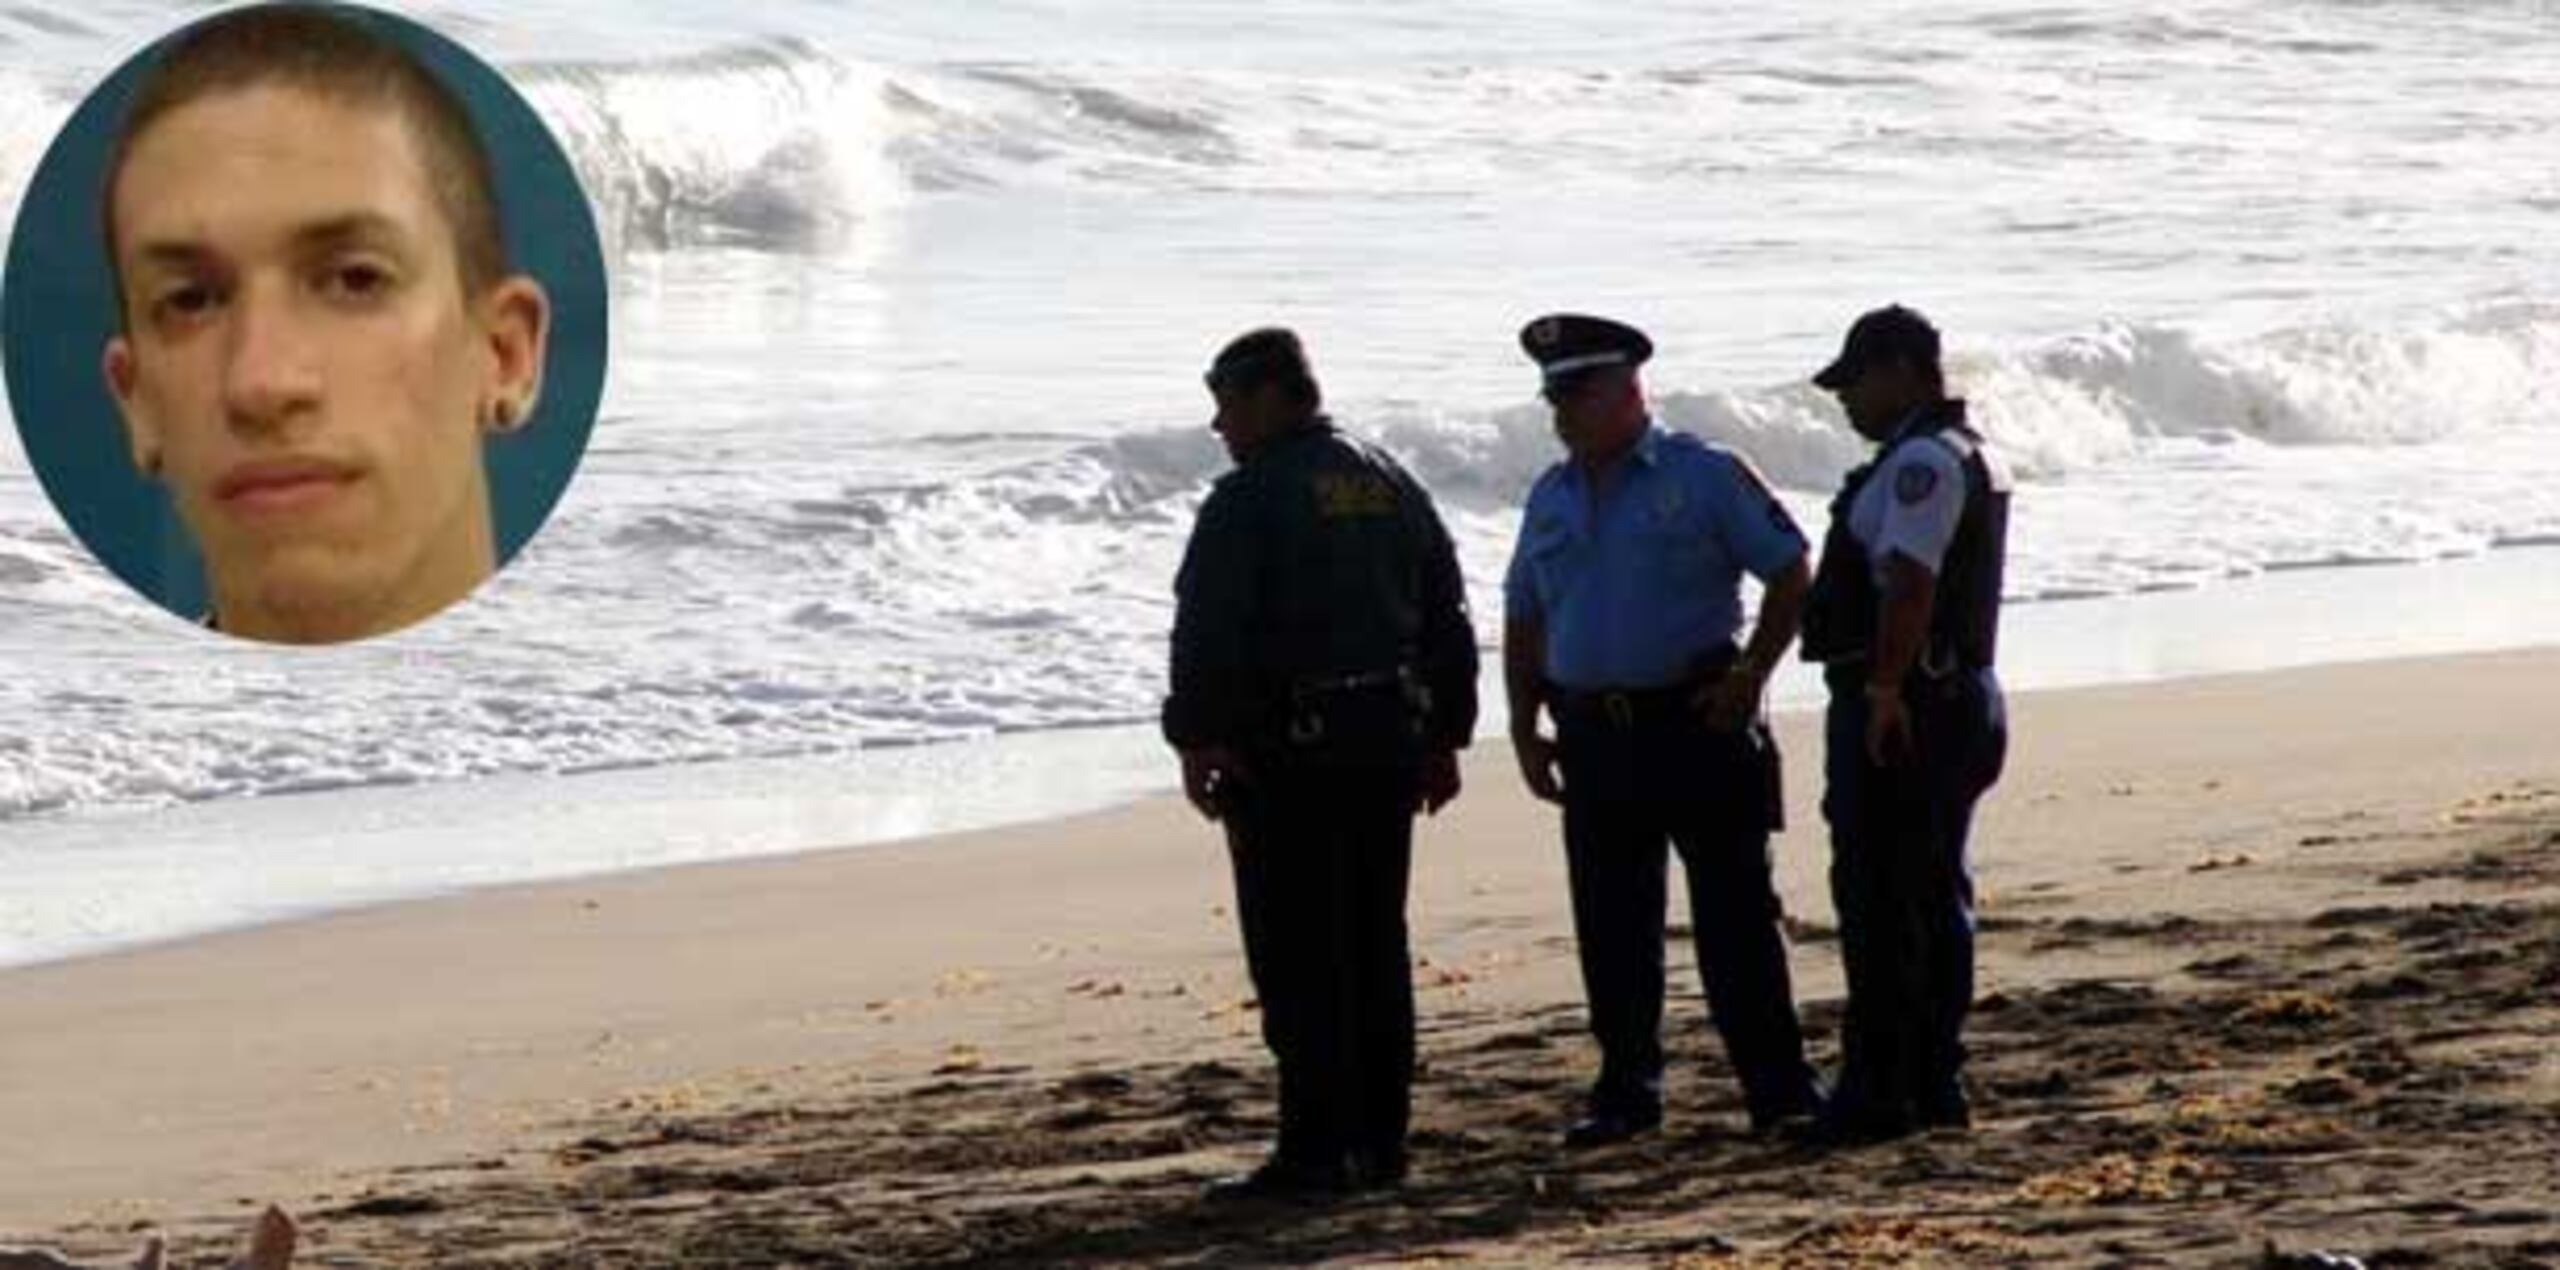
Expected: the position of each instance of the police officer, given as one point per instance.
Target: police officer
(1905, 619)
(1622, 604)
(1324, 672)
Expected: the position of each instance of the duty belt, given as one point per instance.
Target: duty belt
(1936, 663)
(1620, 706)
(1306, 686)
(1307, 692)
(1623, 706)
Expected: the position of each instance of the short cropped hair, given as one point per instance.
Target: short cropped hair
(1271, 354)
(338, 57)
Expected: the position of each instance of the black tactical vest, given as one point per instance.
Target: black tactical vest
(1964, 624)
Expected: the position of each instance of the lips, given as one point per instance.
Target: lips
(278, 485)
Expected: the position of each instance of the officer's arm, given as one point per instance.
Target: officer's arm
(1926, 498)
(1782, 599)
(1902, 624)
(1448, 635)
(1213, 622)
(1524, 639)
(1758, 532)
(1524, 658)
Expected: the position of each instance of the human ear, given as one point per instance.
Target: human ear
(515, 321)
(141, 432)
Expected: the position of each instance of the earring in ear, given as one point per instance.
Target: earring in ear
(503, 416)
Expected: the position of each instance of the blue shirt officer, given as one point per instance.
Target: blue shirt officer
(1905, 619)
(1622, 612)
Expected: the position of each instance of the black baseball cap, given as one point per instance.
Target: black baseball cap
(1259, 357)
(1881, 335)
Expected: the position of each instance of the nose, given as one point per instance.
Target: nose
(271, 371)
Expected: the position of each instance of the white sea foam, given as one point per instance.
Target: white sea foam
(775, 145)
(801, 609)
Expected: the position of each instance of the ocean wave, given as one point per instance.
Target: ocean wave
(2164, 30)
(2089, 411)
(811, 611)
(783, 144)
(2055, 410)
(776, 145)
(30, 114)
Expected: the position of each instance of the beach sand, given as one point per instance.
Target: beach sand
(2267, 959)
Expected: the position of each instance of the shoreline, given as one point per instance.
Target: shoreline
(625, 820)
(420, 1046)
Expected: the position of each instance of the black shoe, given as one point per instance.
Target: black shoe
(1788, 1119)
(1851, 1126)
(1378, 1170)
(1947, 1111)
(1279, 1179)
(1786, 1126)
(1608, 1125)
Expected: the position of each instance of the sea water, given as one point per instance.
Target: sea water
(904, 427)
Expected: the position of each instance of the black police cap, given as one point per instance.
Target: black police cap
(1881, 335)
(1565, 345)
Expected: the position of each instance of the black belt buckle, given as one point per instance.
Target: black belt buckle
(1619, 708)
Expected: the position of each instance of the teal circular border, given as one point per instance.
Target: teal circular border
(57, 311)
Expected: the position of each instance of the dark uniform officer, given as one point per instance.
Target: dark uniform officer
(1905, 619)
(1622, 605)
(1324, 674)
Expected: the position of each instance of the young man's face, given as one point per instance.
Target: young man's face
(301, 366)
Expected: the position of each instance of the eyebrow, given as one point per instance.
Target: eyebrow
(343, 229)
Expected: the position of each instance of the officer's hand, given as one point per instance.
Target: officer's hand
(1537, 757)
(1439, 781)
(1731, 702)
(1889, 739)
(1209, 777)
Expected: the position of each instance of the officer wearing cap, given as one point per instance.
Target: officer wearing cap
(1323, 678)
(1905, 620)
(1621, 610)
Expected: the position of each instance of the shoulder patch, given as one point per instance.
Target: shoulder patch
(1915, 483)
(1353, 496)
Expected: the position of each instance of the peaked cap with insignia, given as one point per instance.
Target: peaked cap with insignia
(1567, 344)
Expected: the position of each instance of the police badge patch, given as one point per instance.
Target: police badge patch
(1915, 483)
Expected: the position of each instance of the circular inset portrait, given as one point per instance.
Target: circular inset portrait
(304, 322)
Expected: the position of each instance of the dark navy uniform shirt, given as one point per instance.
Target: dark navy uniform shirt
(1317, 560)
(1631, 588)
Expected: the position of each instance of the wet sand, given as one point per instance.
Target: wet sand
(2268, 959)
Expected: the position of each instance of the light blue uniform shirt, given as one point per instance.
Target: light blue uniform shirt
(1632, 588)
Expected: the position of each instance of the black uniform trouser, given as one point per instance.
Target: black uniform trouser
(1322, 855)
(1903, 884)
(1638, 781)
